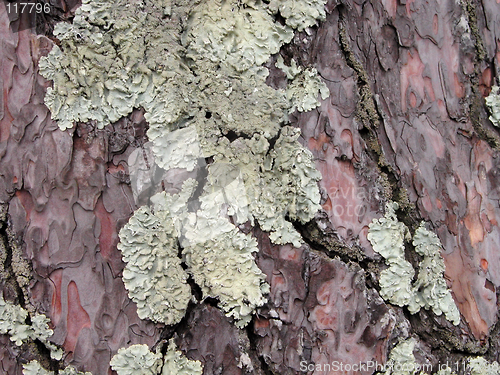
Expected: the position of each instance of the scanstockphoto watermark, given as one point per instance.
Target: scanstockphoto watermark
(342, 368)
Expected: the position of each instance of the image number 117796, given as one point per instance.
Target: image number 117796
(27, 7)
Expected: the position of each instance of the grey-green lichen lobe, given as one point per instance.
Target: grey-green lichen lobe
(480, 366)
(430, 287)
(220, 258)
(429, 291)
(401, 359)
(300, 14)
(304, 88)
(280, 181)
(493, 103)
(136, 360)
(178, 149)
(35, 368)
(235, 102)
(113, 57)
(70, 370)
(153, 274)
(175, 363)
(387, 236)
(13, 322)
(200, 89)
(216, 253)
(241, 34)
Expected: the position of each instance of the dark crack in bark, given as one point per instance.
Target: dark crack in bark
(15, 274)
(477, 113)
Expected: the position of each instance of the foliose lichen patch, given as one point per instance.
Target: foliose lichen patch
(241, 34)
(153, 274)
(387, 237)
(429, 290)
(401, 360)
(113, 57)
(34, 368)
(176, 363)
(215, 252)
(493, 103)
(195, 68)
(304, 88)
(136, 360)
(13, 323)
(300, 14)
(480, 366)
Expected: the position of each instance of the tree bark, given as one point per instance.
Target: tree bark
(406, 121)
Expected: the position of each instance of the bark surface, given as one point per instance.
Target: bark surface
(406, 121)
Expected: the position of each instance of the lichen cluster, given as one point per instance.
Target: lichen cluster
(429, 291)
(34, 368)
(13, 323)
(175, 363)
(139, 360)
(196, 69)
(304, 88)
(242, 37)
(136, 360)
(387, 236)
(493, 103)
(401, 360)
(299, 14)
(480, 366)
(153, 274)
(108, 63)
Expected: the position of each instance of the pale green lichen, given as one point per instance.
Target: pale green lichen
(13, 323)
(305, 86)
(178, 149)
(395, 283)
(429, 290)
(220, 258)
(243, 35)
(279, 182)
(116, 57)
(291, 71)
(199, 90)
(387, 237)
(70, 370)
(480, 366)
(304, 90)
(493, 102)
(401, 360)
(300, 14)
(216, 253)
(136, 360)
(175, 363)
(34, 368)
(153, 274)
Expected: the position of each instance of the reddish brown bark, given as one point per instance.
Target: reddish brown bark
(405, 121)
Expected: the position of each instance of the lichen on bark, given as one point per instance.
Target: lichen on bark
(429, 290)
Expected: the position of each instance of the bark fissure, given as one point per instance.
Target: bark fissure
(15, 273)
(477, 103)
